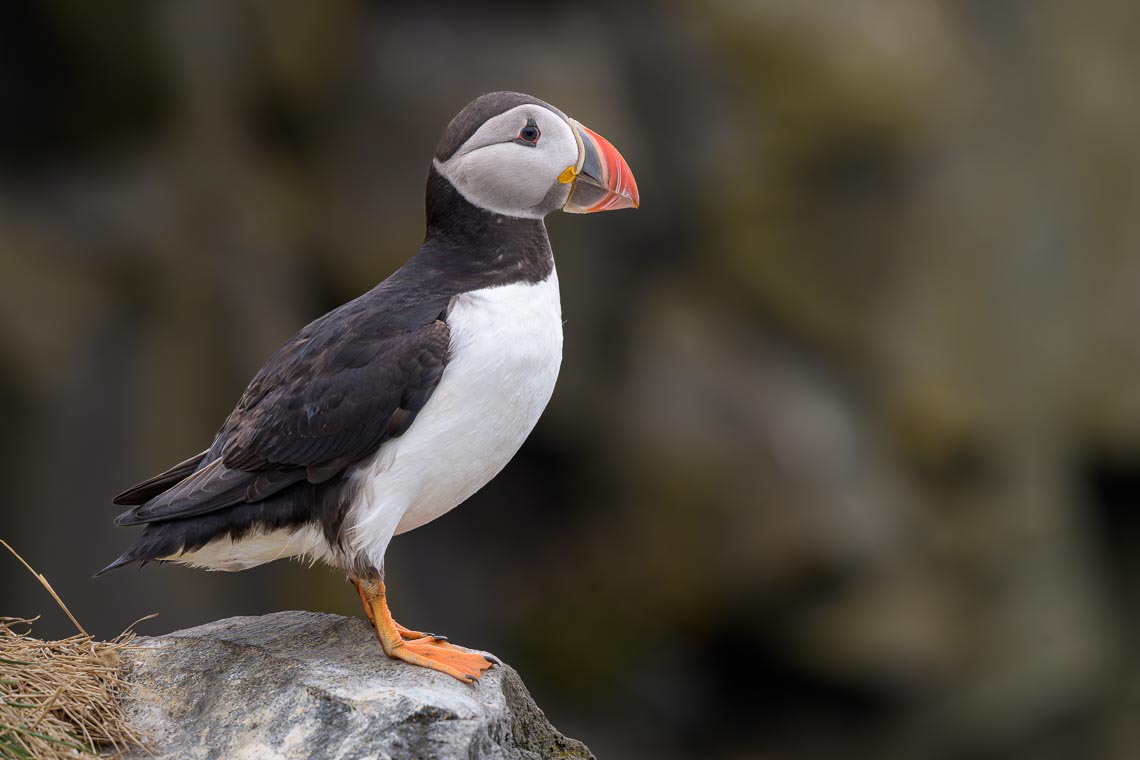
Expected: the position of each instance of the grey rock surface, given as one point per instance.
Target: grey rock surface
(312, 685)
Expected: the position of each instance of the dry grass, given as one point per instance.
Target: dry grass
(60, 699)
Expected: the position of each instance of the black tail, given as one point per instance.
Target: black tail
(144, 492)
(127, 558)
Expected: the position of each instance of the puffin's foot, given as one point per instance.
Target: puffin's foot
(405, 633)
(442, 656)
(423, 649)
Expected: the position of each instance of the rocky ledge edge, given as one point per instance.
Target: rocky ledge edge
(307, 685)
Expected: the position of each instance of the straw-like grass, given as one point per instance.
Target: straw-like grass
(61, 699)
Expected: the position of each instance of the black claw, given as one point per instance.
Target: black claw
(473, 678)
(492, 659)
(437, 637)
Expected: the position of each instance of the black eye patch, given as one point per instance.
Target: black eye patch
(529, 134)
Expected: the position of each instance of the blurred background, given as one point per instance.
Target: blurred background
(844, 460)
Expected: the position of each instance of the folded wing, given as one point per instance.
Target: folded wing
(328, 398)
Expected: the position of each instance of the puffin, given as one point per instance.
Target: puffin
(394, 408)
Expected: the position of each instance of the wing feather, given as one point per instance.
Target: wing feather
(148, 489)
(211, 487)
(332, 395)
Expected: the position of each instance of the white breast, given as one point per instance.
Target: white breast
(506, 348)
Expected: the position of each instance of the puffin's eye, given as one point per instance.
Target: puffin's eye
(529, 134)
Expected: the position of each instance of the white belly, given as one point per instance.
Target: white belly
(506, 348)
(257, 548)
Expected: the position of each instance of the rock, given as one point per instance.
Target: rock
(311, 685)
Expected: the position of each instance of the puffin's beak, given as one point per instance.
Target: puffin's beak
(602, 179)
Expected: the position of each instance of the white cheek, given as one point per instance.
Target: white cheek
(507, 175)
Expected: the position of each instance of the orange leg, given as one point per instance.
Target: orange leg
(414, 647)
(405, 633)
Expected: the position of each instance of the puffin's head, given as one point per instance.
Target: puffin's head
(513, 154)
